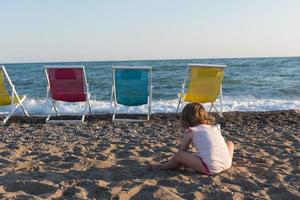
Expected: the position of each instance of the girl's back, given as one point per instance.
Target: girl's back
(211, 147)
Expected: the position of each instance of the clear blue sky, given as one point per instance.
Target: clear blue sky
(74, 30)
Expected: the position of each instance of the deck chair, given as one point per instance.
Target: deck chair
(67, 84)
(205, 85)
(131, 86)
(13, 100)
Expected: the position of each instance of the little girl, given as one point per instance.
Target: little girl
(213, 155)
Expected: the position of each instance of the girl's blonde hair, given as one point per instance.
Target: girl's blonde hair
(194, 114)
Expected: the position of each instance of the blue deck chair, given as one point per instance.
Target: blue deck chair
(131, 86)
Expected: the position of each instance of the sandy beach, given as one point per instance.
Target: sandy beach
(106, 160)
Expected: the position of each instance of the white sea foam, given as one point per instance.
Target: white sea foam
(38, 106)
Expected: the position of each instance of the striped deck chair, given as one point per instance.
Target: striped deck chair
(205, 85)
(132, 86)
(67, 84)
(13, 100)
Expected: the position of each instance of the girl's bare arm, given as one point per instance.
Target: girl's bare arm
(186, 141)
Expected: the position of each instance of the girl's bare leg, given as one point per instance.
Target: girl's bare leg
(182, 158)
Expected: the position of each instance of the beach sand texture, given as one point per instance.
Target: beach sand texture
(105, 160)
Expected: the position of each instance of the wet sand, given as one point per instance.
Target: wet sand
(106, 160)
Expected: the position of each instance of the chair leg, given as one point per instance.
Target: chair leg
(14, 108)
(211, 106)
(6, 118)
(26, 113)
(54, 106)
(83, 117)
(221, 104)
(48, 118)
(90, 109)
(114, 114)
(219, 113)
(115, 107)
(149, 108)
(149, 111)
(178, 105)
(49, 114)
(86, 107)
(56, 111)
(221, 98)
(24, 110)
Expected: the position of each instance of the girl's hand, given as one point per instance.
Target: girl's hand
(186, 140)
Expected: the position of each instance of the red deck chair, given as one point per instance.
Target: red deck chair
(67, 84)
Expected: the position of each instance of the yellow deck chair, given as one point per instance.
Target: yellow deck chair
(205, 85)
(13, 100)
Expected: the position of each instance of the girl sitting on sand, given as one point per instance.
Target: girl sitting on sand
(213, 155)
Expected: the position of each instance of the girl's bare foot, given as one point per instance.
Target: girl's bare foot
(155, 167)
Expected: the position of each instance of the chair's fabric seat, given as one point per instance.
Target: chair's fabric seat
(204, 85)
(131, 87)
(67, 84)
(7, 101)
(130, 101)
(70, 97)
(196, 98)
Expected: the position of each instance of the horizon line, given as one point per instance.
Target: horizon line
(136, 60)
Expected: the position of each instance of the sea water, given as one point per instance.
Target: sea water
(250, 84)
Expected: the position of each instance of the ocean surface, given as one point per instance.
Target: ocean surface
(250, 84)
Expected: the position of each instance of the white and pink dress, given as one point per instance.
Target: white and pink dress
(211, 148)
